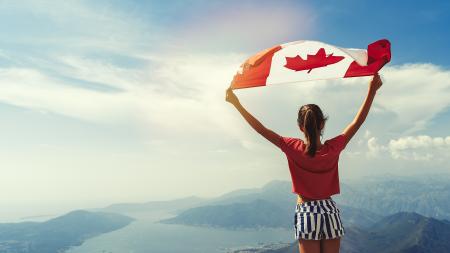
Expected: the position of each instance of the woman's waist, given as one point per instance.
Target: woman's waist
(317, 206)
(302, 199)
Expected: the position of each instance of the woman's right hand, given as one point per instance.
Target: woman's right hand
(375, 83)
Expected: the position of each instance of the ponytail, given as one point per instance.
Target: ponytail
(310, 118)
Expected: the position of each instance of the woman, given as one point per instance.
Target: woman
(314, 171)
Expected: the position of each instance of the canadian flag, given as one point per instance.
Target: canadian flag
(306, 60)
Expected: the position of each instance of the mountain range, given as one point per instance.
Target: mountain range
(389, 214)
(377, 214)
(362, 203)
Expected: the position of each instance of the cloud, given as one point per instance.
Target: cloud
(413, 148)
(176, 93)
(415, 93)
(168, 96)
(411, 96)
(374, 148)
(32, 89)
(172, 92)
(422, 147)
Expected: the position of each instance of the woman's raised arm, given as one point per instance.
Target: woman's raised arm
(360, 117)
(252, 121)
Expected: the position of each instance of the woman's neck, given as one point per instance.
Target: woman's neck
(318, 143)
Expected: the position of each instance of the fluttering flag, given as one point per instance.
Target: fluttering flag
(306, 60)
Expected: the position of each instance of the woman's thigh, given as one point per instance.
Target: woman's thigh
(309, 246)
(330, 245)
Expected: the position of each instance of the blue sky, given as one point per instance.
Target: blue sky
(118, 101)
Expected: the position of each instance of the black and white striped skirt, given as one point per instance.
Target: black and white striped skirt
(318, 219)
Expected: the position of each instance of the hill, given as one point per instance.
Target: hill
(58, 234)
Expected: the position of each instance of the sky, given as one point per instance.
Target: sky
(123, 101)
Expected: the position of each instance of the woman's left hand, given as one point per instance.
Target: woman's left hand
(231, 97)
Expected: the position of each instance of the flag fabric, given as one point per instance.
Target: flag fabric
(306, 60)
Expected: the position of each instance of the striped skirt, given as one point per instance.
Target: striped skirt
(318, 219)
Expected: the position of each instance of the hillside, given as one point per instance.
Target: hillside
(57, 234)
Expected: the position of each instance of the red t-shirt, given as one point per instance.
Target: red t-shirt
(314, 177)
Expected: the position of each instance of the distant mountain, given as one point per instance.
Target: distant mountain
(259, 213)
(175, 206)
(254, 214)
(272, 205)
(428, 196)
(274, 191)
(399, 233)
(362, 203)
(58, 234)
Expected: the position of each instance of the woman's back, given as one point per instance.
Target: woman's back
(314, 177)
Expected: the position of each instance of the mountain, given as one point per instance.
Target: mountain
(359, 202)
(272, 205)
(175, 206)
(428, 196)
(58, 234)
(274, 191)
(403, 232)
(259, 213)
(254, 214)
(409, 232)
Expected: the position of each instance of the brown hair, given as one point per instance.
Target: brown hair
(310, 118)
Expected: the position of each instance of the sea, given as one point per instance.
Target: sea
(147, 235)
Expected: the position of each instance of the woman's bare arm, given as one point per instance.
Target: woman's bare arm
(252, 121)
(360, 117)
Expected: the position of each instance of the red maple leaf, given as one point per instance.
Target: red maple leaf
(320, 59)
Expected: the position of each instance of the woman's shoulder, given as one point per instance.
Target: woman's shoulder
(291, 142)
(338, 142)
(335, 138)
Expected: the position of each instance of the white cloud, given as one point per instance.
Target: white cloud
(415, 93)
(185, 93)
(32, 89)
(422, 147)
(374, 149)
(414, 148)
(170, 90)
